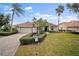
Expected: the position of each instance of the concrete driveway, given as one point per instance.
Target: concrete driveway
(9, 44)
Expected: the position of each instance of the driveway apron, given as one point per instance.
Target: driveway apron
(9, 44)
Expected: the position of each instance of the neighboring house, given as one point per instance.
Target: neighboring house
(69, 26)
(27, 27)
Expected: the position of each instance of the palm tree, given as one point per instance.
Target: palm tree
(16, 9)
(74, 7)
(59, 10)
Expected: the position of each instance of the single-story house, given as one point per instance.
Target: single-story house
(27, 27)
(52, 27)
(69, 26)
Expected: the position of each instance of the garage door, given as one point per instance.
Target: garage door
(25, 30)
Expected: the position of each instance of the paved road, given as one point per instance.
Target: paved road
(9, 44)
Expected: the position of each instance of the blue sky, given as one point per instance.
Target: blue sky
(44, 10)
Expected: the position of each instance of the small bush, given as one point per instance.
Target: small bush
(28, 39)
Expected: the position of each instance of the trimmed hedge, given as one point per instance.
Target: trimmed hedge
(28, 39)
(7, 33)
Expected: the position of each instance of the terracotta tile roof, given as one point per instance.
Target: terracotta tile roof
(30, 24)
(71, 24)
(26, 24)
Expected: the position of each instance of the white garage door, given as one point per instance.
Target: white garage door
(26, 30)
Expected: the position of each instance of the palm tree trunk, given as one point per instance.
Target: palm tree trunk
(58, 22)
(12, 20)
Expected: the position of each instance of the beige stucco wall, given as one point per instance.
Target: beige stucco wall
(29, 29)
(63, 27)
(74, 29)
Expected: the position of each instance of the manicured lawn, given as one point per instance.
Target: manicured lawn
(56, 44)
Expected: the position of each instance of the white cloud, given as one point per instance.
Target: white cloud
(54, 19)
(72, 17)
(48, 17)
(37, 14)
(14, 23)
(8, 12)
(69, 18)
(6, 8)
(45, 16)
(10, 9)
(28, 8)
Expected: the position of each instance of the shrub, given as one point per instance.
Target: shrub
(8, 33)
(28, 39)
(5, 28)
(5, 31)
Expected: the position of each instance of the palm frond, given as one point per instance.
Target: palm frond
(18, 10)
(59, 10)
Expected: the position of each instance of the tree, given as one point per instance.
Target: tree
(7, 19)
(59, 10)
(41, 23)
(4, 19)
(16, 9)
(74, 7)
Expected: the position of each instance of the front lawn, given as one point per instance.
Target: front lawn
(55, 44)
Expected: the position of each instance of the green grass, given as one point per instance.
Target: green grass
(55, 44)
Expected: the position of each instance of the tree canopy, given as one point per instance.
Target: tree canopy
(4, 19)
(74, 7)
(59, 10)
(42, 22)
(16, 8)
